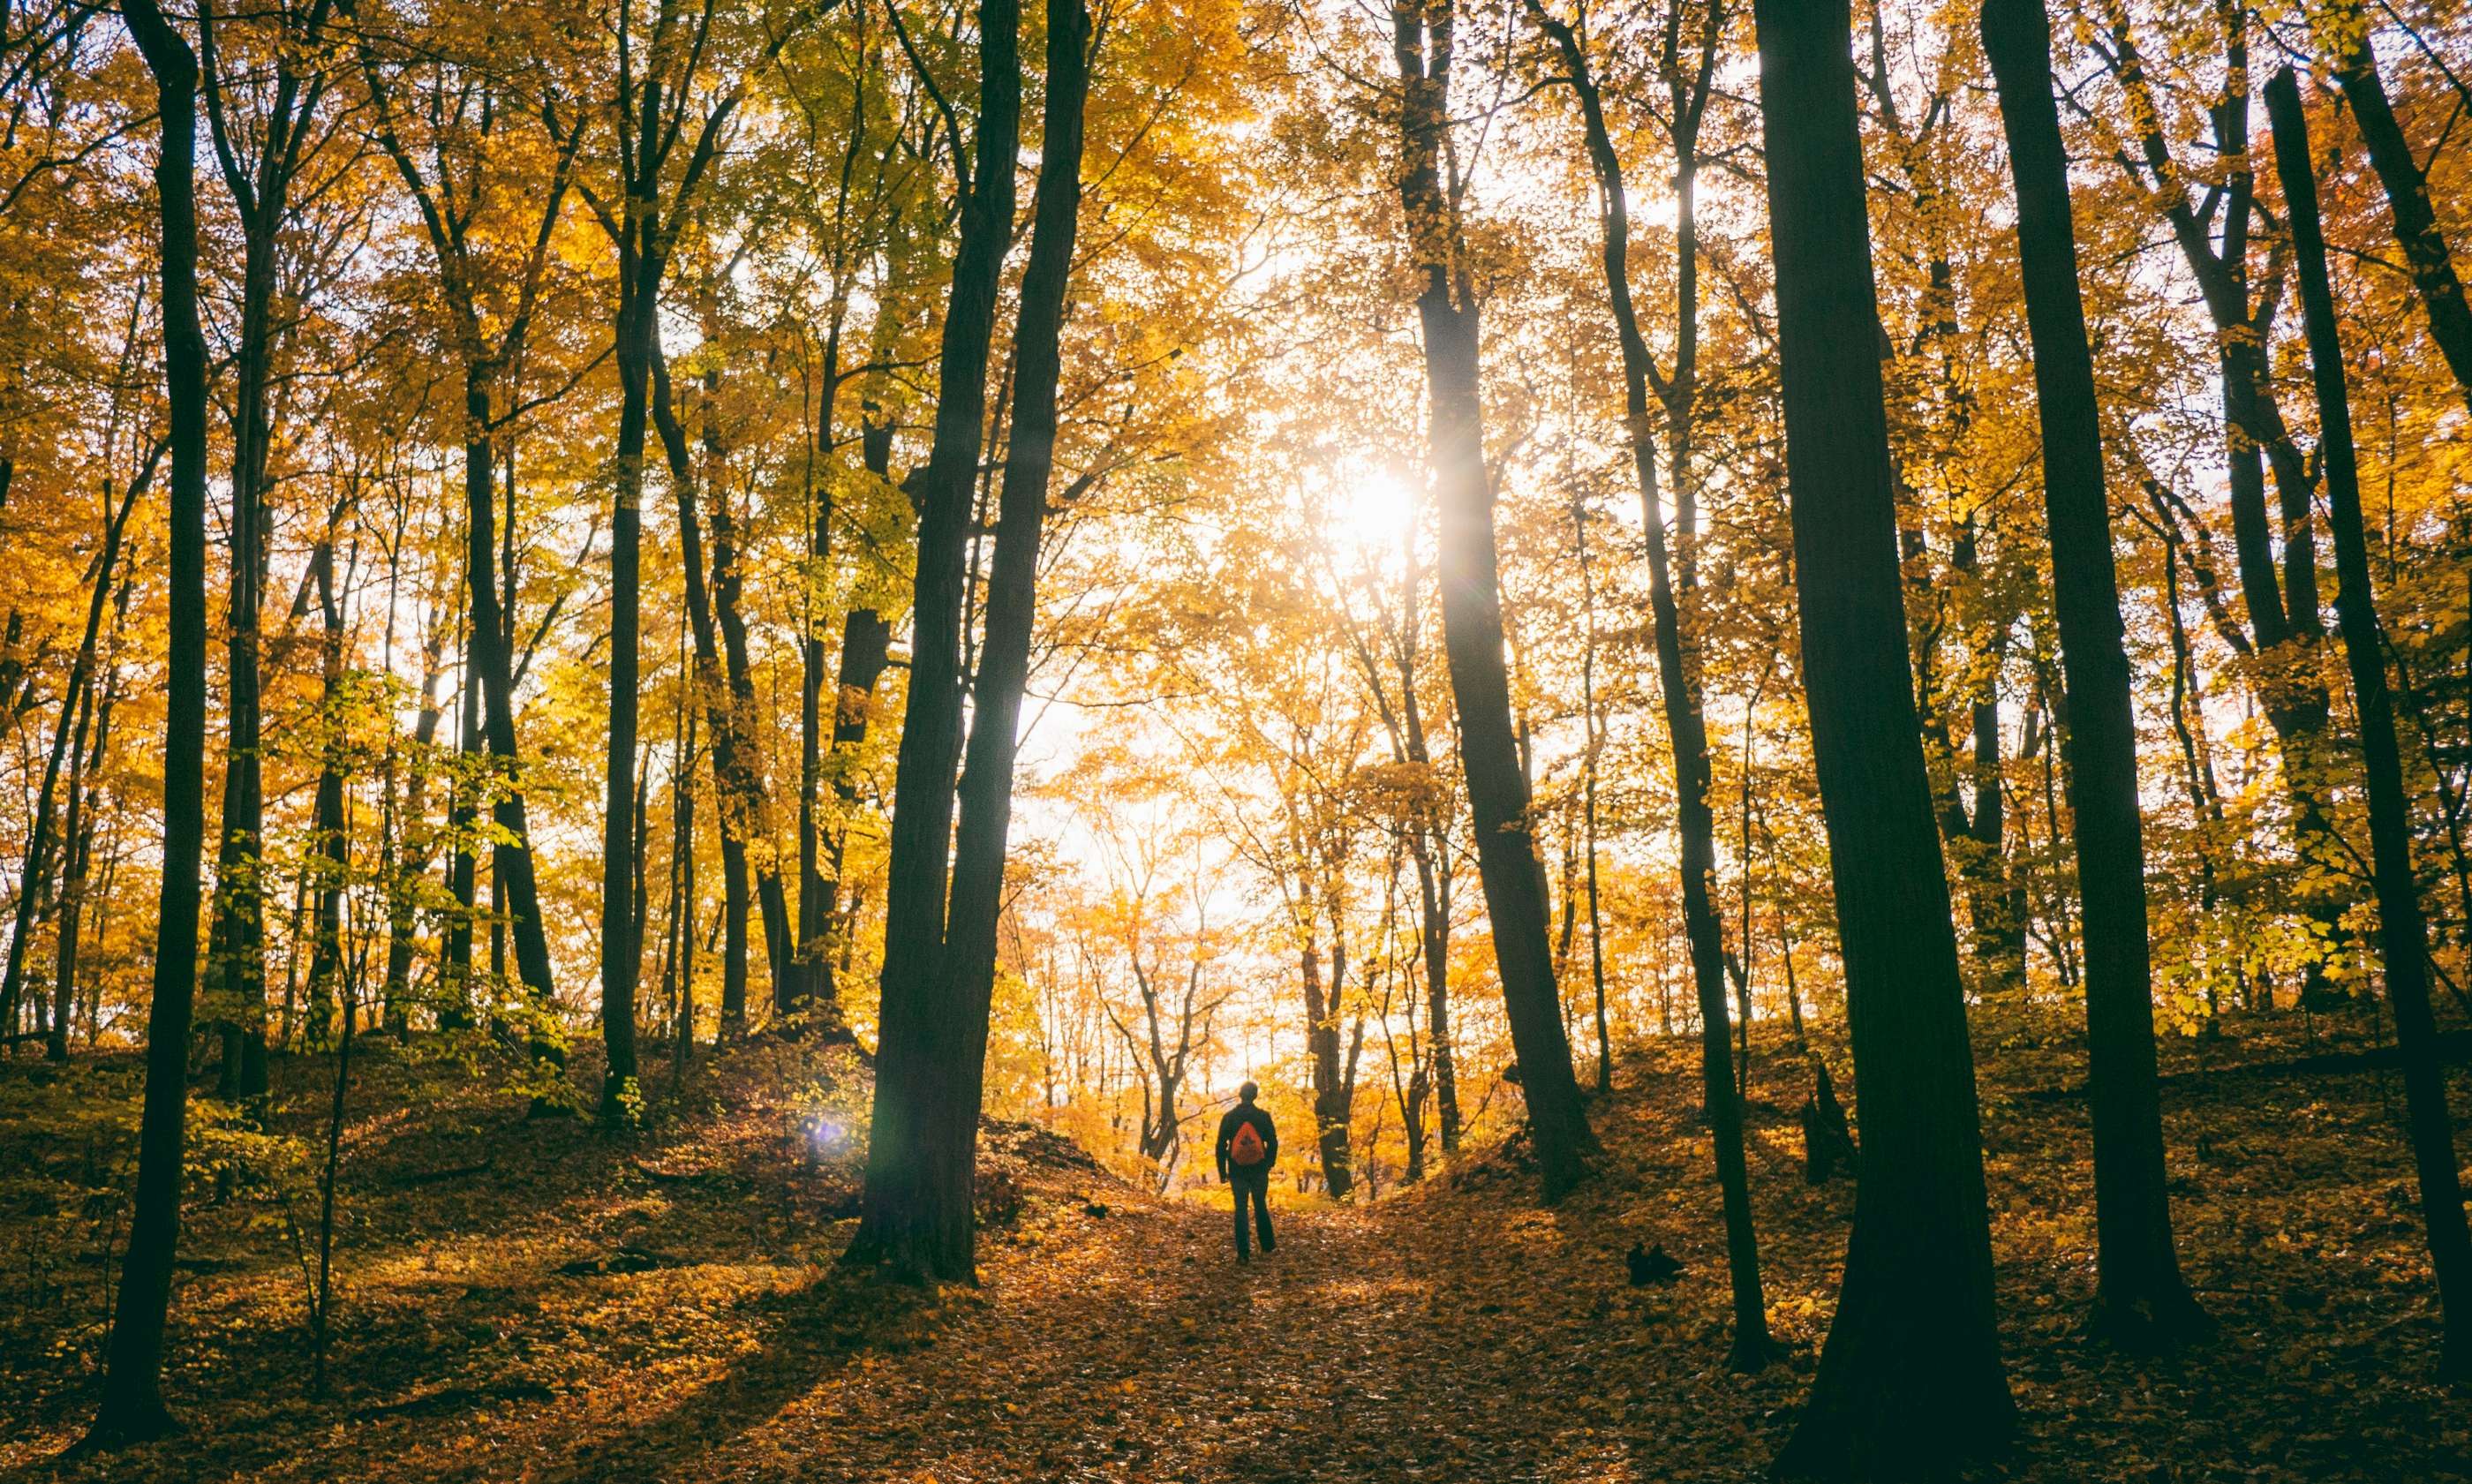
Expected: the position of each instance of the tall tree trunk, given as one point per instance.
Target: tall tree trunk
(1992, 889)
(238, 952)
(457, 1006)
(1508, 863)
(638, 351)
(915, 1212)
(2415, 223)
(86, 784)
(683, 894)
(1433, 929)
(2403, 934)
(76, 699)
(510, 862)
(721, 680)
(132, 1405)
(52, 1026)
(755, 799)
(934, 1234)
(33, 882)
(2140, 1297)
(866, 653)
(1909, 1381)
(654, 78)
(412, 842)
(866, 641)
(2283, 609)
(803, 990)
(329, 854)
(1685, 728)
(260, 188)
(1330, 1097)
(1429, 846)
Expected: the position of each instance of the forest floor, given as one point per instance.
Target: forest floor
(526, 1300)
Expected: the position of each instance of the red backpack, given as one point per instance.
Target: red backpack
(1245, 1147)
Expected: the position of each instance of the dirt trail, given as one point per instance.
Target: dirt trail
(1142, 1351)
(1457, 1332)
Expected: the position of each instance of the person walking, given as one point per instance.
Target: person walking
(1248, 1145)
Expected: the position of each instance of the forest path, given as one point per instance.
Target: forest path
(1376, 1343)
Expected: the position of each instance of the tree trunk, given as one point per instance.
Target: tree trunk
(511, 864)
(639, 352)
(935, 1235)
(1433, 927)
(1508, 863)
(2416, 224)
(411, 844)
(682, 895)
(721, 679)
(73, 894)
(2283, 610)
(76, 859)
(1330, 1102)
(2404, 936)
(753, 799)
(76, 701)
(238, 951)
(456, 1007)
(916, 1210)
(1429, 846)
(866, 640)
(1686, 729)
(2140, 1298)
(131, 1406)
(260, 189)
(329, 858)
(1910, 1380)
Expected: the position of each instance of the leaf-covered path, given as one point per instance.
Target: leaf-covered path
(534, 1303)
(1367, 1347)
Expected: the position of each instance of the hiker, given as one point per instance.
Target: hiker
(1248, 1145)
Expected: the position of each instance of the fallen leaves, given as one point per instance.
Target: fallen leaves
(591, 1312)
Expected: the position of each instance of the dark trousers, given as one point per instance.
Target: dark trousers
(1254, 1186)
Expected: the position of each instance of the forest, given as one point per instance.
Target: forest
(687, 683)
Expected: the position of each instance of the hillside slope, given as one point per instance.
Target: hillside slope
(526, 1301)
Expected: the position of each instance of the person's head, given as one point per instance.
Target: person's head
(1248, 1092)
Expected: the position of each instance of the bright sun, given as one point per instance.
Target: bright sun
(1375, 512)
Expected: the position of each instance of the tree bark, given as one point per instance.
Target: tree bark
(2283, 609)
(329, 859)
(2140, 1297)
(753, 799)
(2415, 223)
(935, 1233)
(1910, 1380)
(1508, 863)
(456, 1004)
(1685, 727)
(76, 699)
(637, 351)
(78, 843)
(487, 703)
(2402, 931)
(511, 864)
(131, 1408)
(1331, 1096)
(261, 193)
(1588, 811)
(915, 1212)
(411, 845)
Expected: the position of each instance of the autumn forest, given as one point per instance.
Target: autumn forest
(686, 683)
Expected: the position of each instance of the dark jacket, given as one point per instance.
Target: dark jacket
(1247, 1113)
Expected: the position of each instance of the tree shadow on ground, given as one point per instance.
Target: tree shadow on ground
(810, 1335)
